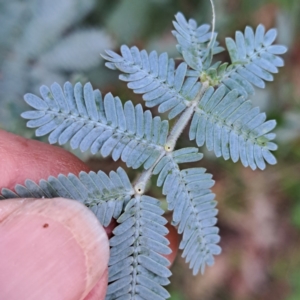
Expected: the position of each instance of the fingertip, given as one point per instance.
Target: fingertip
(22, 159)
(51, 249)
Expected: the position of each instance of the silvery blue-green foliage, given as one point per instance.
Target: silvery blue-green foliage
(155, 77)
(192, 43)
(232, 128)
(192, 202)
(42, 42)
(224, 120)
(253, 59)
(215, 99)
(137, 270)
(82, 117)
(105, 195)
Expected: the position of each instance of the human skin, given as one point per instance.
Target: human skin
(49, 248)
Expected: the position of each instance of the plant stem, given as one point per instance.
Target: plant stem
(213, 22)
(184, 119)
(176, 131)
(142, 180)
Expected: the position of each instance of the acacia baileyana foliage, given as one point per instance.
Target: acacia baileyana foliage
(215, 97)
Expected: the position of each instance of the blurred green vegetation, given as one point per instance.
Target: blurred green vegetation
(259, 211)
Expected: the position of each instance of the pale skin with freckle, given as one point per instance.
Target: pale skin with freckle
(70, 261)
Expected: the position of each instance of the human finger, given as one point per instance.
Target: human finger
(22, 159)
(51, 249)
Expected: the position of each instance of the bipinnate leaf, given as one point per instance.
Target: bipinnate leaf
(229, 125)
(194, 43)
(156, 78)
(192, 202)
(105, 195)
(254, 59)
(137, 269)
(82, 117)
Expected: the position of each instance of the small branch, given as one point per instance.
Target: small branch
(213, 22)
(184, 119)
(176, 131)
(140, 185)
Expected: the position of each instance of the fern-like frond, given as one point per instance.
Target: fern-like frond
(192, 202)
(193, 43)
(254, 58)
(105, 195)
(156, 78)
(232, 128)
(137, 270)
(88, 121)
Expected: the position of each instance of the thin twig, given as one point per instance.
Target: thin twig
(213, 22)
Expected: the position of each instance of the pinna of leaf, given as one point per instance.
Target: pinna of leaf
(214, 97)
